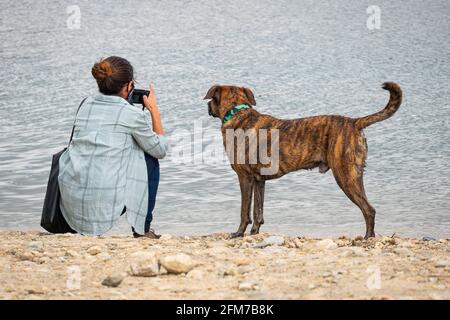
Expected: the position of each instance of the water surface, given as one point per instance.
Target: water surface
(300, 58)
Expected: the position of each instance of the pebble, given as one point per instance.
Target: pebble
(94, 250)
(196, 274)
(113, 280)
(35, 290)
(298, 243)
(36, 246)
(144, 264)
(26, 256)
(42, 260)
(176, 264)
(428, 239)
(230, 271)
(104, 256)
(326, 244)
(388, 240)
(270, 241)
(248, 286)
(72, 253)
(441, 264)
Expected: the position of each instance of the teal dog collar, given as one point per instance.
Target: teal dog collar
(232, 112)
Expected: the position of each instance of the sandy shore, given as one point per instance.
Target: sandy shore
(36, 265)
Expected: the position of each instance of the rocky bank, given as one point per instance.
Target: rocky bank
(37, 265)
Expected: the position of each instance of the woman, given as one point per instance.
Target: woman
(111, 165)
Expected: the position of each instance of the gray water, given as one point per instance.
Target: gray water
(300, 58)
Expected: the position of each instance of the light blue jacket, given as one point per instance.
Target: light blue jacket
(104, 167)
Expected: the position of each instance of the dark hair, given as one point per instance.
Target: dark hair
(112, 74)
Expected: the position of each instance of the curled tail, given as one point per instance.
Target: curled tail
(392, 106)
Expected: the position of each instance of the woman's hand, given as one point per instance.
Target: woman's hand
(152, 106)
(150, 101)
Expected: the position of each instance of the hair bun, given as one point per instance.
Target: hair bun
(102, 70)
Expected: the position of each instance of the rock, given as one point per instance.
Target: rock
(326, 244)
(26, 256)
(176, 264)
(72, 253)
(388, 240)
(428, 239)
(35, 290)
(270, 241)
(36, 246)
(230, 271)
(195, 274)
(248, 239)
(144, 264)
(43, 260)
(298, 243)
(94, 250)
(441, 264)
(113, 280)
(162, 270)
(242, 261)
(248, 286)
(104, 256)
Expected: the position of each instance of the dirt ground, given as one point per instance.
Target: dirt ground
(36, 265)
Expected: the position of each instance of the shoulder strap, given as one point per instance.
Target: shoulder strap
(73, 128)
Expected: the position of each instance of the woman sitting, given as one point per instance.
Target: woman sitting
(111, 165)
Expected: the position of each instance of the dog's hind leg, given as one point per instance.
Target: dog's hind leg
(350, 178)
(246, 185)
(258, 205)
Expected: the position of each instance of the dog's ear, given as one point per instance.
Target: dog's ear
(250, 96)
(211, 92)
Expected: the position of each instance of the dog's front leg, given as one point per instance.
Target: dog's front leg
(246, 185)
(258, 205)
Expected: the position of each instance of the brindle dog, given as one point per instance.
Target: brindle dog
(326, 141)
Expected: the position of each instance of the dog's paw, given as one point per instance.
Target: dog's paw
(236, 235)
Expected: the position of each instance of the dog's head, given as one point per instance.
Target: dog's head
(223, 98)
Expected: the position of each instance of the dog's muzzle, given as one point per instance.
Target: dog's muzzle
(210, 112)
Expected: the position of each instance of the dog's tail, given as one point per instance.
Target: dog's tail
(392, 106)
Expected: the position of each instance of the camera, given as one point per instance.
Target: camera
(137, 96)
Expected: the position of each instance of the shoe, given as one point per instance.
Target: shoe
(150, 234)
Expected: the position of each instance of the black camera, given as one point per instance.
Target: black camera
(137, 96)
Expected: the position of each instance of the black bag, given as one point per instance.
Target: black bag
(52, 218)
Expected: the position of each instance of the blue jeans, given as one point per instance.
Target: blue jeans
(153, 182)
